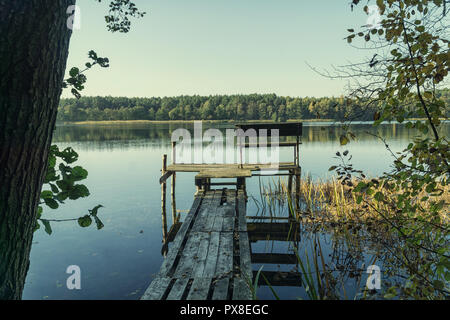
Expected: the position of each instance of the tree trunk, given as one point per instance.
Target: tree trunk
(34, 44)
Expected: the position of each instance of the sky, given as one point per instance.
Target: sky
(209, 47)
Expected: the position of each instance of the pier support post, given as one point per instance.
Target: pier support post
(297, 188)
(290, 182)
(163, 199)
(174, 204)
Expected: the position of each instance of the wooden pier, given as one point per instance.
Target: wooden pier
(208, 256)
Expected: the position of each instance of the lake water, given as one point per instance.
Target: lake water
(124, 163)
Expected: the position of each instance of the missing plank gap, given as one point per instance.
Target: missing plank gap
(169, 287)
(223, 198)
(211, 289)
(230, 289)
(187, 289)
(236, 248)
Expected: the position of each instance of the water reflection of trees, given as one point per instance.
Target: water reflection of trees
(159, 135)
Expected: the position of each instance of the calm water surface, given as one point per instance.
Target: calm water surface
(124, 163)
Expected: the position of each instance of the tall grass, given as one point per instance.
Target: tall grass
(333, 207)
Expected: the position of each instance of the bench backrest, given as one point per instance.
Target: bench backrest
(284, 129)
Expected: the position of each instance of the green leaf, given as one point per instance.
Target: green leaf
(343, 140)
(39, 212)
(98, 222)
(74, 72)
(359, 199)
(95, 209)
(51, 203)
(46, 194)
(47, 226)
(85, 221)
(78, 173)
(391, 293)
(379, 196)
(78, 191)
(361, 185)
(68, 155)
(54, 188)
(430, 188)
(428, 94)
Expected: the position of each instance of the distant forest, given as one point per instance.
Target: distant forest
(218, 107)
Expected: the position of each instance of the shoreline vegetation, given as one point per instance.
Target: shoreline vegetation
(120, 122)
(361, 229)
(111, 122)
(236, 108)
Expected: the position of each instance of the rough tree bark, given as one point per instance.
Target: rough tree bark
(34, 44)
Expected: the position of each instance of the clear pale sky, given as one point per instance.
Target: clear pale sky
(218, 47)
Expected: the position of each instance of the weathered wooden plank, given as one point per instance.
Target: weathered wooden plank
(241, 208)
(199, 289)
(174, 250)
(173, 231)
(213, 251)
(177, 291)
(156, 289)
(223, 173)
(231, 196)
(244, 255)
(225, 259)
(204, 211)
(221, 289)
(246, 166)
(212, 214)
(185, 266)
(241, 290)
(228, 224)
(219, 213)
(269, 144)
(165, 176)
(200, 259)
(284, 129)
(223, 212)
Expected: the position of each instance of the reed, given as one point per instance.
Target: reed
(356, 227)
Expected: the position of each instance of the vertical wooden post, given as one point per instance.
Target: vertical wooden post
(172, 186)
(240, 156)
(172, 193)
(297, 188)
(163, 199)
(174, 153)
(290, 183)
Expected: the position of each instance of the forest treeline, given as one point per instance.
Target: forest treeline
(219, 107)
